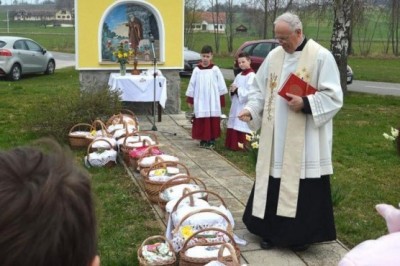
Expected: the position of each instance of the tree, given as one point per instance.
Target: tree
(394, 26)
(230, 28)
(215, 11)
(340, 37)
(192, 16)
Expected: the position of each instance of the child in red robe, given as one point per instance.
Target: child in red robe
(205, 94)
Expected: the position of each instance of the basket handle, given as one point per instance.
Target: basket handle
(194, 192)
(149, 133)
(228, 234)
(102, 127)
(229, 228)
(81, 124)
(231, 250)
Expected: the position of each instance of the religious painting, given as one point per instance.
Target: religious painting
(136, 27)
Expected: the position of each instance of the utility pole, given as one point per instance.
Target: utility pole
(8, 23)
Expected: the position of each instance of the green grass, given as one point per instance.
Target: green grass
(124, 218)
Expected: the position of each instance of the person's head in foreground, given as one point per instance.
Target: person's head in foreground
(47, 211)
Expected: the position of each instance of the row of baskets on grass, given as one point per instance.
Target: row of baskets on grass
(199, 225)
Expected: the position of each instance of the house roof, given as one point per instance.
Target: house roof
(208, 17)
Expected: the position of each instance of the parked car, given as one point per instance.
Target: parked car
(259, 49)
(191, 60)
(20, 56)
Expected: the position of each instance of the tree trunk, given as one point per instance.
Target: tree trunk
(340, 37)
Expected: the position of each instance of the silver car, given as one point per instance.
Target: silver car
(20, 56)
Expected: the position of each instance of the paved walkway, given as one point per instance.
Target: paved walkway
(233, 186)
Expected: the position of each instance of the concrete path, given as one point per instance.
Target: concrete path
(234, 186)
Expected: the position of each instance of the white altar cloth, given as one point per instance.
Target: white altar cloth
(139, 88)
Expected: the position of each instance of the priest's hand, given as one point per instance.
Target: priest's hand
(190, 105)
(245, 115)
(296, 103)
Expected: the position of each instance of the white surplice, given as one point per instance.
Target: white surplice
(238, 102)
(205, 87)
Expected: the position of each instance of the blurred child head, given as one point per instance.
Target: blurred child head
(244, 60)
(47, 213)
(206, 55)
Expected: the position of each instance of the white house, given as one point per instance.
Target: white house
(209, 22)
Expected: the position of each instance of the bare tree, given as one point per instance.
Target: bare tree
(215, 11)
(394, 26)
(340, 37)
(192, 16)
(230, 29)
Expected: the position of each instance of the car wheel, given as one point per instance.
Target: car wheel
(15, 73)
(51, 66)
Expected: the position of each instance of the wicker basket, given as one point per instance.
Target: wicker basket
(125, 116)
(152, 239)
(127, 146)
(185, 260)
(90, 149)
(152, 188)
(171, 182)
(78, 139)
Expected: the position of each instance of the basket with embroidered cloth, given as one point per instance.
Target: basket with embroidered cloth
(156, 251)
(187, 220)
(159, 173)
(101, 156)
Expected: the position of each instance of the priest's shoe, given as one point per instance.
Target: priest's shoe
(299, 247)
(266, 244)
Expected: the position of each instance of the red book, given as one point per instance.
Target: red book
(297, 86)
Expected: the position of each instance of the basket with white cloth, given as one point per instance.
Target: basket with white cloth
(159, 173)
(100, 157)
(223, 259)
(79, 135)
(170, 191)
(204, 245)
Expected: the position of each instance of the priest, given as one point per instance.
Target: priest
(290, 204)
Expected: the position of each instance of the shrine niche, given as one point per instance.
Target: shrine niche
(134, 24)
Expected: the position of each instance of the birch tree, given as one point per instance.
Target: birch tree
(340, 37)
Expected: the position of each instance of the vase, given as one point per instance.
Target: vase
(122, 69)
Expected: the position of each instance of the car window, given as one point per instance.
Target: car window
(2, 44)
(33, 46)
(20, 45)
(262, 49)
(248, 49)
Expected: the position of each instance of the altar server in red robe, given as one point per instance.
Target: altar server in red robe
(205, 94)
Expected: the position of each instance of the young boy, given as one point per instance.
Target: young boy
(236, 129)
(205, 94)
(47, 211)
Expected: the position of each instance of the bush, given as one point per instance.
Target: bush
(56, 115)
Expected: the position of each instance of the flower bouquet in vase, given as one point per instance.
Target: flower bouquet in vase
(122, 53)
